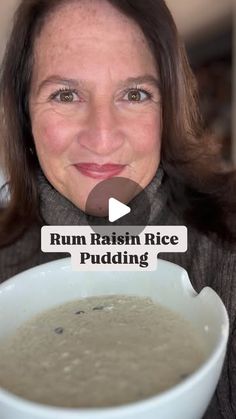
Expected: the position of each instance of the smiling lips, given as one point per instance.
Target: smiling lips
(98, 171)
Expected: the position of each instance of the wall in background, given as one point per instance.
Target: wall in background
(7, 8)
(197, 18)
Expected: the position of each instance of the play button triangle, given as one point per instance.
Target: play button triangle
(117, 210)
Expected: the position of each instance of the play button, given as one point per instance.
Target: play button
(118, 202)
(117, 210)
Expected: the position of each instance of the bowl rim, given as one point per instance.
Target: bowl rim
(174, 392)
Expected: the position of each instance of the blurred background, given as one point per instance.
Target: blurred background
(208, 28)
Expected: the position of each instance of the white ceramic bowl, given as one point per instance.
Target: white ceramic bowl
(55, 283)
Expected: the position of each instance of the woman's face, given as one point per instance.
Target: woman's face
(94, 102)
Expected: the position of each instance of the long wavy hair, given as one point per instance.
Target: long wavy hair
(198, 187)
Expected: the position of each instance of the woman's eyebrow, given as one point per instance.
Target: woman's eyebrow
(55, 79)
(146, 78)
(75, 83)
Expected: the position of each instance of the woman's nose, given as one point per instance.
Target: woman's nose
(103, 134)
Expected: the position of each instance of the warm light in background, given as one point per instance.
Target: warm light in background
(197, 18)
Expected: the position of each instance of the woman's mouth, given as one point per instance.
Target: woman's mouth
(99, 171)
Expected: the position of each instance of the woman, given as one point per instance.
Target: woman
(94, 89)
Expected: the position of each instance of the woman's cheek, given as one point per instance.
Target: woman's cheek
(52, 135)
(148, 138)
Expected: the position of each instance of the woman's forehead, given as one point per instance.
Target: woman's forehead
(83, 35)
(92, 18)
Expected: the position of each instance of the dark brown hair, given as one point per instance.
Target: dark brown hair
(198, 187)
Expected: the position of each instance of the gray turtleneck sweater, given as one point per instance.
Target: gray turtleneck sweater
(207, 262)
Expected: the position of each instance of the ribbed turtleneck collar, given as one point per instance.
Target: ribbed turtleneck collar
(57, 210)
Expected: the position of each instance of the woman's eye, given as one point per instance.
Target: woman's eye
(65, 96)
(136, 95)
